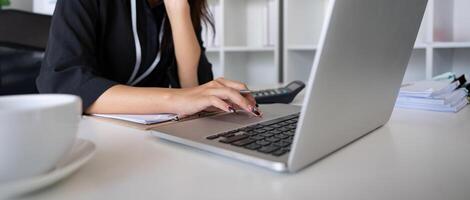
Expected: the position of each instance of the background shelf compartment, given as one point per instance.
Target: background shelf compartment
(300, 64)
(211, 38)
(451, 60)
(303, 21)
(247, 23)
(255, 68)
(247, 39)
(451, 20)
(215, 59)
(416, 67)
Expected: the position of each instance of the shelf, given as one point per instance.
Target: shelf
(248, 49)
(451, 45)
(421, 46)
(302, 47)
(212, 49)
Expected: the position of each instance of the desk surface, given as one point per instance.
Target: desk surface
(417, 155)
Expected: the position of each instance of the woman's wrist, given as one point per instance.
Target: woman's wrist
(164, 99)
(176, 100)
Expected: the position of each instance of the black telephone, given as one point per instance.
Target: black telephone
(280, 95)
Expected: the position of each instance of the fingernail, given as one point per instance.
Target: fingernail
(231, 109)
(255, 111)
(257, 105)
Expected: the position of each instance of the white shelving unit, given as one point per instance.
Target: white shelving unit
(443, 43)
(243, 50)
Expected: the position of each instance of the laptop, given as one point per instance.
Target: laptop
(363, 53)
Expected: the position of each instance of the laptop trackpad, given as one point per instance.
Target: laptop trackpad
(197, 129)
(241, 118)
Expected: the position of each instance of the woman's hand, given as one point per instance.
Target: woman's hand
(221, 93)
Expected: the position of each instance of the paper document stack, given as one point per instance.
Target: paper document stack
(443, 96)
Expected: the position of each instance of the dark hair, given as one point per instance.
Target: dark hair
(200, 16)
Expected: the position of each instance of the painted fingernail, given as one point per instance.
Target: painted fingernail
(255, 111)
(231, 109)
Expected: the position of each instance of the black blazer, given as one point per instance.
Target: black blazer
(91, 48)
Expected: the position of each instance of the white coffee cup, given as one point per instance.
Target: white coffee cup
(36, 131)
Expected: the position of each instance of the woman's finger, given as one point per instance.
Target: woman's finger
(238, 86)
(231, 95)
(250, 98)
(232, 84)
(220, 104)
(235, 97)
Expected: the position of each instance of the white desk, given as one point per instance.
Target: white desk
(417, 155)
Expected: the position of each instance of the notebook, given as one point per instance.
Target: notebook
(141, 119)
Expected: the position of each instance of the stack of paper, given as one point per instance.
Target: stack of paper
(443, 96)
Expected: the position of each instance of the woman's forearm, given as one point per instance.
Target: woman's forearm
(122, 99)
(187, 48)
(222, 94)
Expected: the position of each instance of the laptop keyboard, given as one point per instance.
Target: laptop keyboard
(272, 137)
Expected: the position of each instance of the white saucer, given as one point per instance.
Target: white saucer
(81, 152)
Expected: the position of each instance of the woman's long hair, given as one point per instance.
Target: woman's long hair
(200, 16)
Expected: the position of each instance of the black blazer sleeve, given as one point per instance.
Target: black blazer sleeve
(204, 68)
(70, 61)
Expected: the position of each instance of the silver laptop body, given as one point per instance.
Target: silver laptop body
(363, 52)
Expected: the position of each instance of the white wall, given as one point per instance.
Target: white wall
(26, 5)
